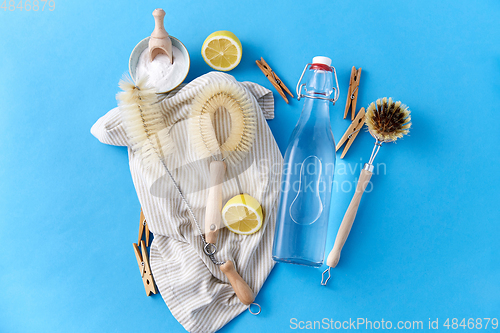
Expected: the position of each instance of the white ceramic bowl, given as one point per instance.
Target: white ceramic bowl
(144, 44)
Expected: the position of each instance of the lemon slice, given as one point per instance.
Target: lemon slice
(222, 50)
(242, 214)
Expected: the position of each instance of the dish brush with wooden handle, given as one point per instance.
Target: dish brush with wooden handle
(237, 103)
(387, 121)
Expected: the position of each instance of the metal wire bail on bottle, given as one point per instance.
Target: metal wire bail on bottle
(335, 89)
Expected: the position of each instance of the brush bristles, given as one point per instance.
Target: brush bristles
(143, 120)
(388, 120)
(236, 101)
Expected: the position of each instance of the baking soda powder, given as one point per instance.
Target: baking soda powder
(162, 74)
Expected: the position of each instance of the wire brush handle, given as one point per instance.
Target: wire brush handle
(214, 202)
(350, 215)
(241, 288)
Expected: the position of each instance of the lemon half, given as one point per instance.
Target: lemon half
(222, 50)
(242, 214)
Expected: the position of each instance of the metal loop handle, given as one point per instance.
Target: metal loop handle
(252, 312)
(209, 249)
(323, 281)
(335, 89)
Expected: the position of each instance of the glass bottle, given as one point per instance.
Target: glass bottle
(308, 169)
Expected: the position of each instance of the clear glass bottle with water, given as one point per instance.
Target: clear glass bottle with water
(309, 164)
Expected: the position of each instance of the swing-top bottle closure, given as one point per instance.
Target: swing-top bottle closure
(319, 63)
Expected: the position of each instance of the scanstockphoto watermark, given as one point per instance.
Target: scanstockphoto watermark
(356, 324)
(317, 177)
(310, 176)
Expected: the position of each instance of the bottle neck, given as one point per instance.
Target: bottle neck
(316, 110)
(319, 82)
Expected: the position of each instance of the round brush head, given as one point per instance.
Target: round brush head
(238, 103)
(387, 120)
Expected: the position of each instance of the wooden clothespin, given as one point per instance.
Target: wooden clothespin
(352, 132)
(273, 78)
(352, 94)
(143, 262)
(143, 229)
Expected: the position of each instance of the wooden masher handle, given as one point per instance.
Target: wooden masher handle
(241, 288)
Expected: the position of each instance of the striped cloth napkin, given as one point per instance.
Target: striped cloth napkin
(197, 293)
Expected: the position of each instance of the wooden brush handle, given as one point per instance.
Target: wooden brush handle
(350, 215)
(159, 31)
(214, 203)
(241, 288)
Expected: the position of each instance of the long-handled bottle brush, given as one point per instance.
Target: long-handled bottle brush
(144, 125)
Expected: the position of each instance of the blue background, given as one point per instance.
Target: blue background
(425, 243)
